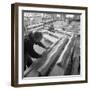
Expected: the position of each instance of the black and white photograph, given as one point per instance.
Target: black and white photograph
(49, 44)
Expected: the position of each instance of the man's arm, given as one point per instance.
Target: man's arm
(40, 44)
(35, 55)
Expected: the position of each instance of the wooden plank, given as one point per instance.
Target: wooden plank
(59, 70)
(62, 61)
(55, 53)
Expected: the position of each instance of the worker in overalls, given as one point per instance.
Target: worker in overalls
(29, 41)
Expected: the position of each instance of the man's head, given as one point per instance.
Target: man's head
(37, 36)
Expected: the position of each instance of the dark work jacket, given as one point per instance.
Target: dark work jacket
(28, 46)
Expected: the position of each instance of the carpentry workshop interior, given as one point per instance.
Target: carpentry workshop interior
(51, 44)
